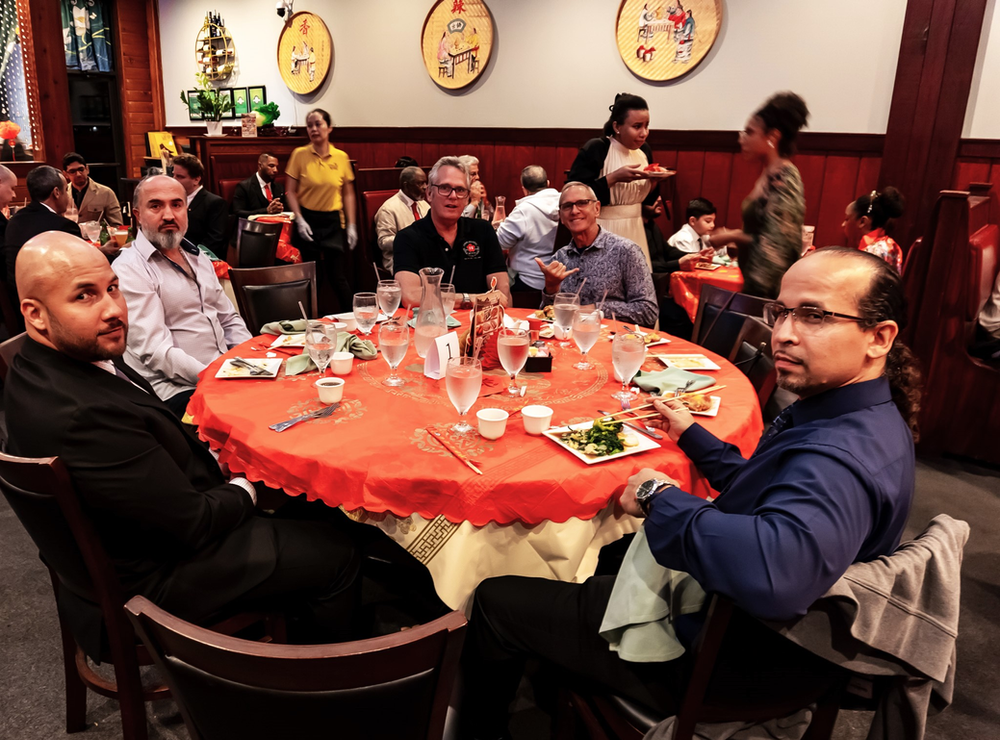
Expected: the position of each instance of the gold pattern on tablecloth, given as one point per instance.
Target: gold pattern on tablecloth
(350, 408)
(471, 445)
(431, 539)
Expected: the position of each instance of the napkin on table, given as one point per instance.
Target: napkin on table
(291, 326)
(669, 380)
(363, 349)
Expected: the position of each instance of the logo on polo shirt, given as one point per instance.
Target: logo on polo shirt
(471, 250)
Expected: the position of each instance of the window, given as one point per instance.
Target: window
(16, 95)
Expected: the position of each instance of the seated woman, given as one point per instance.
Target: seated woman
(865, 224)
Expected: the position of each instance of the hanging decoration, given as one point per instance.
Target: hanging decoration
(17, 117)
(667, 39)
(214, 49)
(305, 53)
(86, 35)
(456, 42)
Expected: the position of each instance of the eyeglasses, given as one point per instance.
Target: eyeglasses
(75, 170)
(447, 190)
(806, 316)
(581, 204)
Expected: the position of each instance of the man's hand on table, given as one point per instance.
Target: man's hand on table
(275, 206)
(674, 418)
(555, 272)
(628, 502)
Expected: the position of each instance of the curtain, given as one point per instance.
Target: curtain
(86, 35)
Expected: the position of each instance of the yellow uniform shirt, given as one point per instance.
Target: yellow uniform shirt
(320, 179)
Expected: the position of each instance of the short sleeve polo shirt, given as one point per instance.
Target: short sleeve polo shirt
(475, 254)
(320, 179)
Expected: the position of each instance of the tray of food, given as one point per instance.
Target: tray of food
(702, 405)
(688, 362)
(599, 440)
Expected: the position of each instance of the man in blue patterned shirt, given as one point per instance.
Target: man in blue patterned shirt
(609, 263)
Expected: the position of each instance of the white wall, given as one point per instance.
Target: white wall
(982, 117)
(555, 64)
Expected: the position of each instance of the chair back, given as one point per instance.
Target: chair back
(256, 243)
(8, 351)
(720, 317)
(371, 201)
(396, 686)
(752, 355)
(266, 294)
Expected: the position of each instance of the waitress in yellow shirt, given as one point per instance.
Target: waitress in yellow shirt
(320, 192)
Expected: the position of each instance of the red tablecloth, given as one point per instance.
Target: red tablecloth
(685, 287)
(286, 252)
(375, 454)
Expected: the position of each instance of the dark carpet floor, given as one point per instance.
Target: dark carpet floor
(31, 682)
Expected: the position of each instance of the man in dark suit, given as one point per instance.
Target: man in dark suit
(208, 214)
(50, 197)
(260, 193)
(177, 529)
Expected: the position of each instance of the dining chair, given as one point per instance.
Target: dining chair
(8, 351)
(752, 355)
(265, 294)
(256, 243)
(396, 686)
(720, 317)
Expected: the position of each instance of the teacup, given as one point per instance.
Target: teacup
(492, 422)
(331, 390)
(536, 418)
(342, 363)
(350, 323)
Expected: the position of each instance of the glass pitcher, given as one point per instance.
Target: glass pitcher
(432, 319)
(500, 212)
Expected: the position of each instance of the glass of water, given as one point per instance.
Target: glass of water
(321, 343)
(389, 294)
(366, 311)
(91, 230)
(564, 307)
(393, 341)
(448, 297)
(463, 379)
(586, 329)
(513, 346)
(628, 352)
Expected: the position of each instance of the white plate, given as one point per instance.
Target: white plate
(713, 410)
(289, 340)
(645, 444)
(229, 370)
(688, 362)
(350, 315)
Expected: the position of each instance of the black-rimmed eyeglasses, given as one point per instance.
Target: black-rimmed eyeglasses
(581, 204)
(808, 316)
(447, 190)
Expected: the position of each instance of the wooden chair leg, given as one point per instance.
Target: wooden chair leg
(132, 704)
(76, 690)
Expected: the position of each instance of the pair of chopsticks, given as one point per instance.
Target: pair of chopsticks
(704, 391)
(453, 450)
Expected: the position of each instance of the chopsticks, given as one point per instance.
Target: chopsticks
(452, 450)
(713, 389)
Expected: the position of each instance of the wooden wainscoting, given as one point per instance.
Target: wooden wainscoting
(979, 161)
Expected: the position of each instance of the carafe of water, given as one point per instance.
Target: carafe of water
(431, 321)
(500, 213)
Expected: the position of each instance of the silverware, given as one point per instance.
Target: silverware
(254, 369)
(641, 429)
(682, 391)
(318, 414)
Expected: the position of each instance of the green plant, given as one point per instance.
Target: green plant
(211, 102)
(269, 112)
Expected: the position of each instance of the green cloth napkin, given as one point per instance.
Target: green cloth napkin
(292, 326)
(452, 323)
(363, 349)
(669, 380)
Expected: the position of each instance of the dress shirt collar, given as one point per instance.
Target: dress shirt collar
(839, 401)
(146, 250)
(49, 207)
(406, 199)
(192, 196)
(597, 244)
(261, 182)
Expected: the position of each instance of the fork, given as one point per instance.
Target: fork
(318, 414)
(682, 391)
(254, 369)
(626, 405)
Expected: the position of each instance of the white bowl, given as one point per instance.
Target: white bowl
(536, 418)
(350, 323)
(342, 363)
(330, 390)
(492, 422)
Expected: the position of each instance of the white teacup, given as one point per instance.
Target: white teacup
(341, 326)
(350, 323)
(342, 363)
(492, 422)
(331, 390)
(536, 418)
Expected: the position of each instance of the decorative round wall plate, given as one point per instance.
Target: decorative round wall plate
(665, 39)
(456, 42)
(305, 53)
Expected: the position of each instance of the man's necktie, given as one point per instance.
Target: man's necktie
(416, 211)
(781, 423)
(267, 191)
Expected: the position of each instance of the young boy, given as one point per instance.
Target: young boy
(700, 222)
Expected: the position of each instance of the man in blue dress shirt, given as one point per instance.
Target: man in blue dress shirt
(830, 484)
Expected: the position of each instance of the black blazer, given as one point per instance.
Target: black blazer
(208, 217)
(248, 200)
(156, 497)
(30, 221)
(589, 162)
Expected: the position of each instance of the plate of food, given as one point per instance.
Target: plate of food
(289, 340)
(654, 338)
(702, 405)
(706, 266)
(544, 314)
(599, 441)
(687, 362)
(237, 367)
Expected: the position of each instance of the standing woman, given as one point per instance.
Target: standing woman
(613, 166)
(320, 192)
(774, 211)
(865, 224)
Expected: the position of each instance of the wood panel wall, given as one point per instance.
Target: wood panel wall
(979, 161)
(140, 77)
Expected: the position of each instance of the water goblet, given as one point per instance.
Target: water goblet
(389, 294)
(366, 311)
(393, 341)
(448, 297)
(628, 352)
(513, 346)
(586, 329)
(463, 379)
(564, 306)
(321, 343)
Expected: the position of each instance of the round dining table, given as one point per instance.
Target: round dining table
(685, 285)
(535, 510)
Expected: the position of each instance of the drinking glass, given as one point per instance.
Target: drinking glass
(586, 328)
(463, 379)
(91, 230)
(628, 352)
(121, 235)
(321, 343)
(500, 212)
(565, 306)
(389, 294)
(393, 340)
(366, 311)
(513, 345)
(448, 297)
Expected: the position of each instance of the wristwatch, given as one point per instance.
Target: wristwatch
(465, 299)
(647, 491)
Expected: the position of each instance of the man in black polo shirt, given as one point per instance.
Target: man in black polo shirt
(444, 239)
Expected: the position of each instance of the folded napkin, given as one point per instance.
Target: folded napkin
(669, 380)
(363, 349)
(292, 326)
(452, 322)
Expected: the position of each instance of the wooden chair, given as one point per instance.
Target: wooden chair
(256, 243)
(370, 202)
(265, 294)
(752, 355)
(720, 317)
(610, 717)
(397, 686)
(9, 350)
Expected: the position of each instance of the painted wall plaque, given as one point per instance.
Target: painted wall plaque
(456, 42)
(305, 53)
(665, 39)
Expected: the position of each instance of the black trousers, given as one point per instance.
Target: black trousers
(328, 249)
(178, 403)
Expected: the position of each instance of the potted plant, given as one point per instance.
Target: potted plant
(212, 104)
(266, 116)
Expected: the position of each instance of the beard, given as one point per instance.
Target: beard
(87, 349)
(163, 240)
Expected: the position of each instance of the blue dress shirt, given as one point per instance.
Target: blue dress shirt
(834, 487)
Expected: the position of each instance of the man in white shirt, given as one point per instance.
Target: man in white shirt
(693, 235)
(180, 319)
(401, 210)
(530, 230)
(987, 340)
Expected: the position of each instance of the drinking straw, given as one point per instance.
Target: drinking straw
(377, 277)
(451, 278)
(582, 283)
(603, 298)
(303, 310)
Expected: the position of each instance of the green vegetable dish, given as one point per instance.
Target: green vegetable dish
(600, 440)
